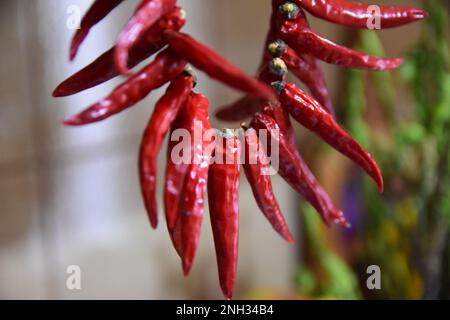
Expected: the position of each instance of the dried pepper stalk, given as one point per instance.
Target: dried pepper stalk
(213, 162)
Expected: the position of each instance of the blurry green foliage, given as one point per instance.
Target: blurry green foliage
(405, 231)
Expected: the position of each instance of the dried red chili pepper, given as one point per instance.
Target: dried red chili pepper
(356, 15)
(99, 10)
(307, 69)
(296, 33)
(295, 172)
(274, 70)
(256, 168)
(147, 14)
(192, 201)
(164, 68)
(223, 195)
(104, 69)
(307, 41)
(215, 66)
(313, 116)
(165, 113)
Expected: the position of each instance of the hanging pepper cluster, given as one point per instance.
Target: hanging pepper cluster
(214, 162)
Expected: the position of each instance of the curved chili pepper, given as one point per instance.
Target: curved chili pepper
(215, 66)
(223, 196)
(306, 41)
(292, 167)
(99, 10)
(313, 116)
(356, 15)
(166, 111)
(192, 201)
(256, 168)
(104, 69)
(274, 70)
(147, 14)
(164, 68)
(307, 69)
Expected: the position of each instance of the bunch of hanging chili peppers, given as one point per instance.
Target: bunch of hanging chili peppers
(290, 45)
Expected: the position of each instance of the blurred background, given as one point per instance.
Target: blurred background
(71, 196)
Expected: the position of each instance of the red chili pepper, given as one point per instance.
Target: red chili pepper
(313, 116)
(304, 40)
(256, 168)
(274, 70)
(192, 201)
(295, 172)
(165, 113)
(173, 187)
(223, 195)
(104, 69)
(97, 12)
(164, 68)
(307, 69)
(356, 15)
(215, 66)
(147, 14)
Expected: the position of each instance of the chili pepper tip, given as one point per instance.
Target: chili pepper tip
(73, 121)
(278, 86)
(277, 48)
(290, 10)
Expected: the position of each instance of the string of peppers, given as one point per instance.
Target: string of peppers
(270, 100)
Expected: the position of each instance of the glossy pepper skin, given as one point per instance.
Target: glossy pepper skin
(147, 14)
(256, 168)
(303, 40)
(173, 187)
(165, 113)
(97, 12)
(192, 201)
(163, 69)
(223, 196)
(296, 173)
(356, 15)
(103, 68)
(313, 116)
(215, 66)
